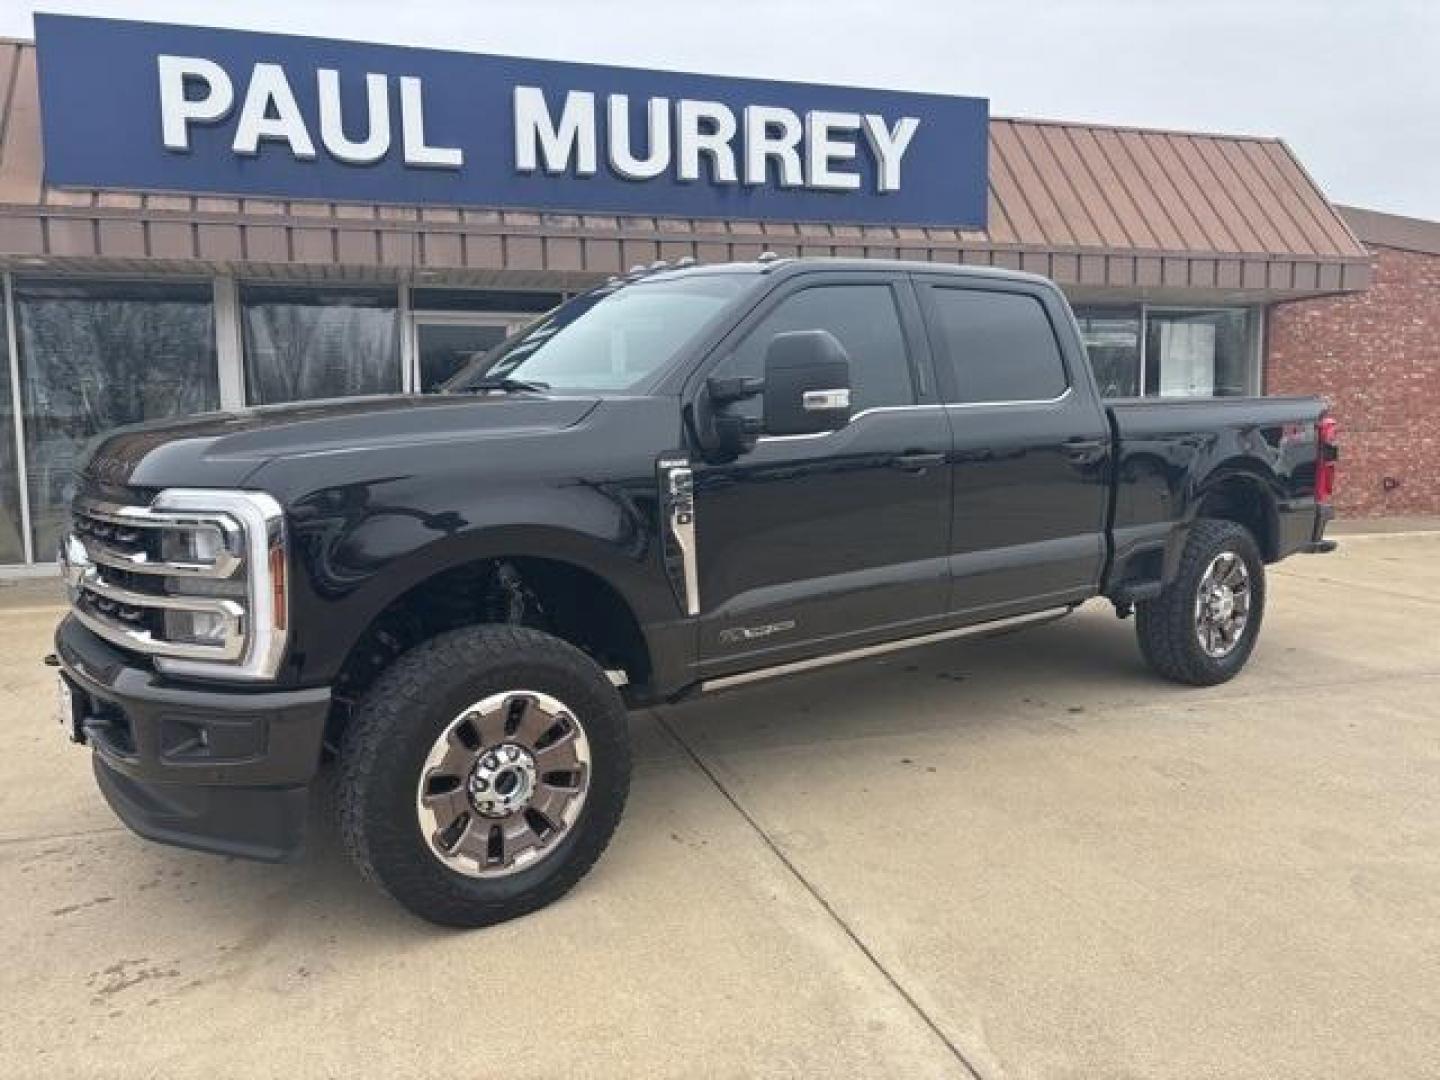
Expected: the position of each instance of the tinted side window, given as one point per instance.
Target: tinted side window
(863, 318)
(1000, 345)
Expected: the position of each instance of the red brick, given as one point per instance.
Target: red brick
(1376, 356)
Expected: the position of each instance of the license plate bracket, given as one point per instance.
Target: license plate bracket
(68, 710)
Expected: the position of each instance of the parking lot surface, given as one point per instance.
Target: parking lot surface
(1024, 857)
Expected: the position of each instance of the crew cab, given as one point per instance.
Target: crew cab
(686, 478)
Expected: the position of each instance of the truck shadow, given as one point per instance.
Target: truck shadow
(1053, 679)
(1063, 675)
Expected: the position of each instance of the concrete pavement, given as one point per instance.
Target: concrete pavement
(1018, 858)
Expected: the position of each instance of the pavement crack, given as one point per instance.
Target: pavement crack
(959, 1055)
(1379, 590)
(43, 838)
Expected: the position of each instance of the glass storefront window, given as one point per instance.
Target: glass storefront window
(1197, 353)
(305, 343)
(1175, 352)
(12, 541)
(95, 355)
(501, 301)
(1112, 339)
(443, 348)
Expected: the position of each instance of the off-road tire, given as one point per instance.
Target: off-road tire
(382, 754)
(1165, 626)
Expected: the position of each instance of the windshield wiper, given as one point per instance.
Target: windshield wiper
(505, 385)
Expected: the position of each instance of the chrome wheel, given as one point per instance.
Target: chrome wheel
(1222, 605)
(503, 784)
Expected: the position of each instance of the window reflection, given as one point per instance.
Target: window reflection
(12, 545)
(302, 343)
(1112, 340)
(1178, 352)
(94, 356)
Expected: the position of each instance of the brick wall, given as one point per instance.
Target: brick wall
(1376, 356)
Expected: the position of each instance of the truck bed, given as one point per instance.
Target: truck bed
(1257, 451)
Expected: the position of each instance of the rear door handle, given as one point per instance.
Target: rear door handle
(916, 461)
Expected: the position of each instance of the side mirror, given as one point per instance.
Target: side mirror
(724, 434)
(807, 383)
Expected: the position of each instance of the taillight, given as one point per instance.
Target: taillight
(1327, 458)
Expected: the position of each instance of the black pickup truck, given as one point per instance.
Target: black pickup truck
(685, 479)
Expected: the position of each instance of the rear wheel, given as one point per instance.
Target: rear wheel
(484, 774)
(1202, 628)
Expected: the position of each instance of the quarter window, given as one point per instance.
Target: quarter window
(863, 318)
(1000, 345)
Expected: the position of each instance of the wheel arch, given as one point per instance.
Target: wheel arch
(1241, 492)
(556, 587)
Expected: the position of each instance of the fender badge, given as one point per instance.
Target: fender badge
(733, 635)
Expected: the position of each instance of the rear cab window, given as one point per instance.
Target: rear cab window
(994, 346)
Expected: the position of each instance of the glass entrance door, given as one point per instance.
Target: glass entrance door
(443, 345)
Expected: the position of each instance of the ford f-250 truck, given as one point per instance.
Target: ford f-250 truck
(686, 478)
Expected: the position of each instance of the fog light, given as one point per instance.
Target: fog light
(196, 627)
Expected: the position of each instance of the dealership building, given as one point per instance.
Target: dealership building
(1197, 263)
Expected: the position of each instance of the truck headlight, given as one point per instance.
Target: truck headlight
(255, 593)
(197, 580)
(198, 627)
(201, 545)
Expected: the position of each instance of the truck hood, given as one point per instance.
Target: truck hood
(222, 449)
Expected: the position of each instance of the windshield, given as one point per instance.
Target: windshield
(608, 339)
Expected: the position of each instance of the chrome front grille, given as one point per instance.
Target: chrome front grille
(192, 579)
(135, 619)
(131, 538)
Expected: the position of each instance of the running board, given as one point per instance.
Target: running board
(995, 626)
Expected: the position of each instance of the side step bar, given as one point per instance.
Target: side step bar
(985, 629)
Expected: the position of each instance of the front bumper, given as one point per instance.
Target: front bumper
(213, 769)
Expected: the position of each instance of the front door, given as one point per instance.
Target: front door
(818, 543)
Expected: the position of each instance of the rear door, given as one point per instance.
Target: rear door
(815, 543)
(1029, 469)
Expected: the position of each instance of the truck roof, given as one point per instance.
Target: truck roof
(769, 263)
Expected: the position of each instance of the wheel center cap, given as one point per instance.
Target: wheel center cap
(502, 780)
(1222, 603)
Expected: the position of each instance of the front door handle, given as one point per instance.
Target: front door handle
(1085, 451)
(916, 461)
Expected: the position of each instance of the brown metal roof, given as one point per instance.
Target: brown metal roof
(1377, 229)
(1094, 207)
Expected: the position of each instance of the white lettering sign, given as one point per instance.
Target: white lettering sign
(271, 112)
(773, 134)
(194, 90)
(536, 135)
(376, 143)
(689, 139)
(177, 111)
(696, 140)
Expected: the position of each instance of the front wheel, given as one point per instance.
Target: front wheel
(483, 774)
(1202, 628)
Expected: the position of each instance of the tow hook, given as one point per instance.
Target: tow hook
(1125, 610)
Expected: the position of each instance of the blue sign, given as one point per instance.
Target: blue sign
(145, 106)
